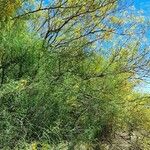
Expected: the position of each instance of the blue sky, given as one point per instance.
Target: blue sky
(145, 6)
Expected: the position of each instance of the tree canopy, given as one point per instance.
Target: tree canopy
(68, 75)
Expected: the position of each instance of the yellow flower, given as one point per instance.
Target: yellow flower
(33, 146)
(23, 82)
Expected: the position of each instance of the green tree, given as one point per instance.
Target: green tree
(68, 70)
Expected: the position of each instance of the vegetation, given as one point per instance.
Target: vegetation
(69, 70)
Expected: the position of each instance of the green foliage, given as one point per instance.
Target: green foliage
(70, 95)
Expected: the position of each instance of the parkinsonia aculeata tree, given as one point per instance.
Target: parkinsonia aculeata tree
(68, 73)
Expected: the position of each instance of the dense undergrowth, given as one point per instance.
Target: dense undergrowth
(66, 92)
